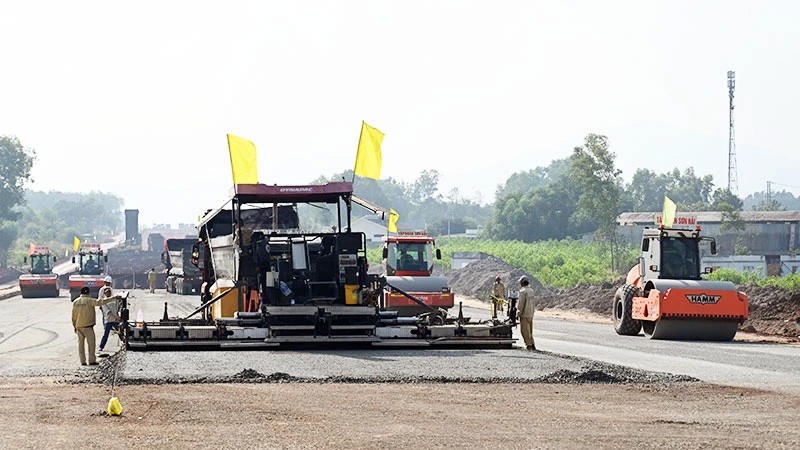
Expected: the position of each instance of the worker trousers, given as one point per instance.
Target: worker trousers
(86, 337)
(153, 287)
(526, 328)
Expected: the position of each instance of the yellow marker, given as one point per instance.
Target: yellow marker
(114, 407)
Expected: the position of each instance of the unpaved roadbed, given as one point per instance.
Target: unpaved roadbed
(455, 415)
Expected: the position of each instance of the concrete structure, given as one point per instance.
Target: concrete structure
(766, 233)
(777, 265)
(372, 226)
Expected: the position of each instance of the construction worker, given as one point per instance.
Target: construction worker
(83, 318)
(525, 311)
(499, 294)
(110, 312)
(107, 282)
(151, 279)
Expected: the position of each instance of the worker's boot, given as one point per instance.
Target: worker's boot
(532, 347)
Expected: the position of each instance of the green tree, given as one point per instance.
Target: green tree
(8, 234)
(601, 191)
(647, 190)
(16, 162)
(725, 200)
(424, 187)
(522, 182)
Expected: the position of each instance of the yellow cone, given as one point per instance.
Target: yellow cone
(114, 407)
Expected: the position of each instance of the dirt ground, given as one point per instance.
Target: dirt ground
(688, 415)
(774, 312)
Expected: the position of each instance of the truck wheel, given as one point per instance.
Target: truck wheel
(624, 324)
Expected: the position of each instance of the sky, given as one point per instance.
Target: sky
(136, 98)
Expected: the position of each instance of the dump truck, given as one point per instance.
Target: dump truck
(183, 277)
(91, 262)
(666, 297)
(270, 282)
(41, 281)
(408, 264)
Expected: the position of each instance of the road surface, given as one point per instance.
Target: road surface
(36, 338)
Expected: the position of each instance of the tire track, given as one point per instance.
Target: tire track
(51, 336)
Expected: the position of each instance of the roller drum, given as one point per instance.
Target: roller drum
(691, 329)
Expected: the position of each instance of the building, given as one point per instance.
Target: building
(372, 226)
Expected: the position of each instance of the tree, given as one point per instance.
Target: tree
(725, 200)
(601, 190)
(769, 205)
(425, 186)
(647, 190)
(522, 182)
(16, 162)
(8, 234)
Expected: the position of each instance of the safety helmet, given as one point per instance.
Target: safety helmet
(108, 279)
(523, 280)
(497, 278)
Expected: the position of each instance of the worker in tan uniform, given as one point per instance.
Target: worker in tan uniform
(525, 311)
(499, 294)
(151, 280)
(83, 318)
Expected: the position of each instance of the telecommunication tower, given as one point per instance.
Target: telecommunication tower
(733, 179)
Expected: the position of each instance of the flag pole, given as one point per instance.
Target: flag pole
(360, 133)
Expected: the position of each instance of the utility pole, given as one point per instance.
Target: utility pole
(769, 192)
(733, 179)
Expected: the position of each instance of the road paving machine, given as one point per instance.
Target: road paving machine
(269, 281)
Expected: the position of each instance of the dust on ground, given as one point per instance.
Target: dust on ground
(774, 313)
(288, 415)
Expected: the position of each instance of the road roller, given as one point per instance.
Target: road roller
(666, 297)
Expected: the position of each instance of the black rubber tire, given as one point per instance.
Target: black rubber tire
(624, 324)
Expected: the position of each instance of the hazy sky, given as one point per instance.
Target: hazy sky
(135, 98)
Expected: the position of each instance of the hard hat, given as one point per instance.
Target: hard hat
(523, 279)
(108, 279)
(497, 278)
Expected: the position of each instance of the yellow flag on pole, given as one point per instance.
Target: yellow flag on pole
(668, 215)
(394, 216)
(368, 157)
(76, 243)
(243, 160)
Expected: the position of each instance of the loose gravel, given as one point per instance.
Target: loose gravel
(369, 366)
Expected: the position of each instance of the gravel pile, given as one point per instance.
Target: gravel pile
(476, 279)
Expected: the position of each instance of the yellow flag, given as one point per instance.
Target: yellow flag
(394, 216)
(76, 243)
(243, 160)
(368, 157)
(668, 216)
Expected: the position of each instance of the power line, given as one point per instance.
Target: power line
(781, 184)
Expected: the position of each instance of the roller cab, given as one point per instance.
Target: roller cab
(41, 281)
(408, 263)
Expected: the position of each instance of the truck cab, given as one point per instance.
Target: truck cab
(410, 253)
